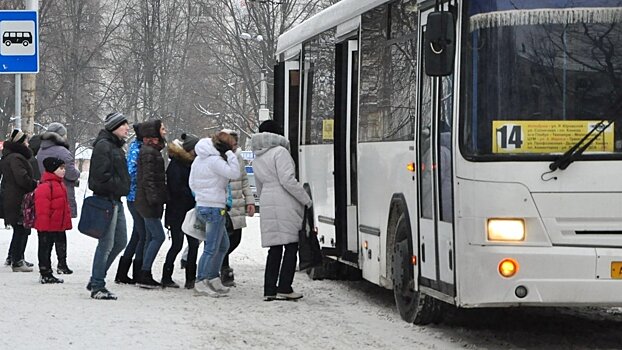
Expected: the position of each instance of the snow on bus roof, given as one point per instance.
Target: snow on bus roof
(324, 20)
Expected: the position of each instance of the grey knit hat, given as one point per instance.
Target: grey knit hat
(189, 141)
(57, 128)
(114, 120)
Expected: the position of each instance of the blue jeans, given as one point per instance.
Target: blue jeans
(136, 245)
(153, 241)
(108, 247)
(216, 242)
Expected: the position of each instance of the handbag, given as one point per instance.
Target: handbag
(309, 252)
(193, 227)
(96, 216)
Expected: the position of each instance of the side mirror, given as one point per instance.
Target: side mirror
(439, 41)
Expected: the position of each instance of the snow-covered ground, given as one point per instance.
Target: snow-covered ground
(332, 314)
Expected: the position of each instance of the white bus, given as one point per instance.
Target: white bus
(467, 152)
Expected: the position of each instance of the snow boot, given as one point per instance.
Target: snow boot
(191, 275)
(137, 266)
(63, 269)
(124, 267)
(146, 281)
(103, 294)
(167, 279)
(48, 278)
(227, 277)
(21, 266)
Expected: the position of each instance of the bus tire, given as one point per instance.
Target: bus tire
(412, 305)
(7, 43)
(25, 43)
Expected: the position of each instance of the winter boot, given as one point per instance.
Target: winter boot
(124, 267)
(28, 263)
(226, 277)
(48, 278)
(191, 275)
(146, 281)
(8, 261)
(167, 279)
(63, 269)
(137, 266)
(21, 266)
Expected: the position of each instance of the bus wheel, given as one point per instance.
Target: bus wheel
(7, 43)
(25, 43)
(413, 306)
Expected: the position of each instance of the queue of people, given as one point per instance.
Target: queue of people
(206, 174)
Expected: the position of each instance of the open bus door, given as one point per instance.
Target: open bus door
(435, 217)
(345, 145)
(287, 103)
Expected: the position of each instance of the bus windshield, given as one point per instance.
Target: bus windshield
(539, 75)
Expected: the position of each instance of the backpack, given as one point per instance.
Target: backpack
(28, 210)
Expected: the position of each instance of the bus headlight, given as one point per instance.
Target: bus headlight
(506, 230)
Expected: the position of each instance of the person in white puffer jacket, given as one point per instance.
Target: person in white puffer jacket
(210, 173)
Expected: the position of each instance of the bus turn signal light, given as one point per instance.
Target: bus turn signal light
(506, 230)
(508, 267)
(411, 167)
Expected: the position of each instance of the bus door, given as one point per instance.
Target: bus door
(345, 142)
(434, 158)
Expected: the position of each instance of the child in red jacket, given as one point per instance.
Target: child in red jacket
(52, 214)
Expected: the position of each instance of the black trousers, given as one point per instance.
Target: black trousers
(234, 241)
(61, 248)
(280, 268)
(193, 250)
(18, 243)
(177, 238)
(46, 241)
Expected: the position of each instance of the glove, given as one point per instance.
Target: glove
(223, 147)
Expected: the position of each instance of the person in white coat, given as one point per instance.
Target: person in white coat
(282, 199)
(214, 166)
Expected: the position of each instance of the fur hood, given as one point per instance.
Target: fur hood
(15, 147)
(49, 139)
(262, 142)
(176, 151)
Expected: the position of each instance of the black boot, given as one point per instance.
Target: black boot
(147, 281)
(136, 270)
(48, 278)
(227, 277)
(124, 267)
(167, 278)
(191, 275)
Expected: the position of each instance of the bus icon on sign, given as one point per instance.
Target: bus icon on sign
(14, 37)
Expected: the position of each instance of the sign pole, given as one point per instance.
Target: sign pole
(18, 101)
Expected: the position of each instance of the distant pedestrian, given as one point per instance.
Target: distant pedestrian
(151, 195)
(52, 214)
(136, 246)
(283, 201)
(211, 171)
(243, 205)
(181, 200)
(108, 178)
(54, 144)
(18, 179)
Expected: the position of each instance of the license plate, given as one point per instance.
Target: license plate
(616, 269)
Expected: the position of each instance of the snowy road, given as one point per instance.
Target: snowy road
(332, 315)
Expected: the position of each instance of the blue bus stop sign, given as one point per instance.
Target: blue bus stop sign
(19, 49)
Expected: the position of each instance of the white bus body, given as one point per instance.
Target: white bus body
(407, 171)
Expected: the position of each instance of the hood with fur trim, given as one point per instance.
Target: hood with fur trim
(176, 151)
(49, 139)
(262, 142)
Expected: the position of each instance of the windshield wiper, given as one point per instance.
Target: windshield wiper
(575, 152)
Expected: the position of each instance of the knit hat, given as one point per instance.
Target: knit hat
(189, 141)
(270, 126)
(57, 128)
(18, 136)
(52, 163)
(114, 120)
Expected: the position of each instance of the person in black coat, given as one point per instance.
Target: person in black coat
(151, 195)
(18, 179)
(109, 178)
(181, 201)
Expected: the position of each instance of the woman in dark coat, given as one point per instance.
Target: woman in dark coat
(17, 181)
(177, 174)
(151, 195)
